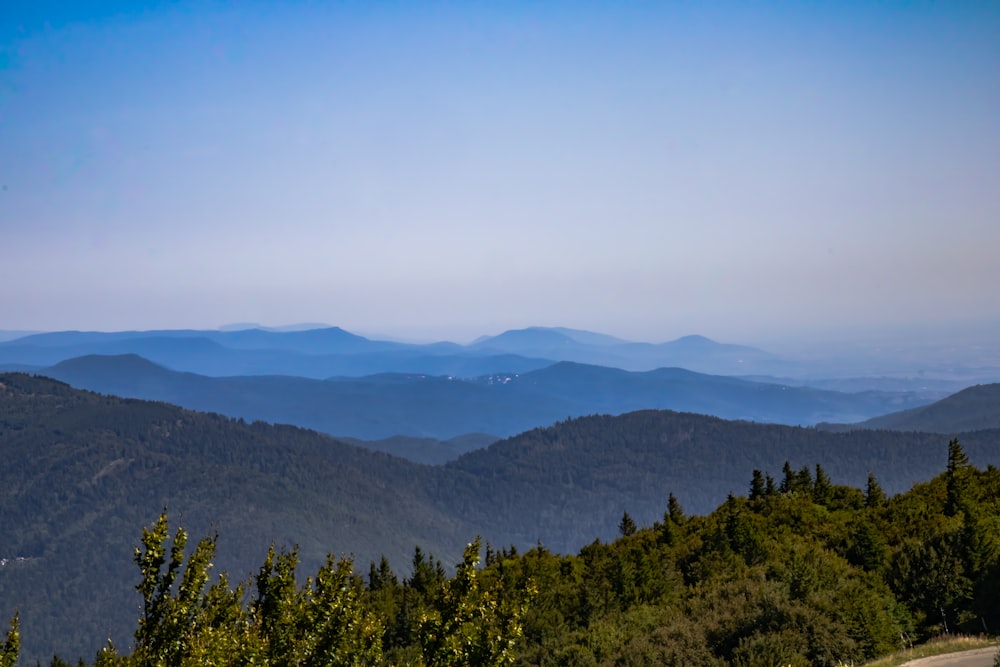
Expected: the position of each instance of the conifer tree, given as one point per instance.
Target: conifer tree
(822, 486)
(674, 510)
(956, 478)
(627, 526)
(874, 496)
(803, 480)
(758, 487)
(12, 645)
(769, 486)
(787, 478)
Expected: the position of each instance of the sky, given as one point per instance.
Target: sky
(749, 171)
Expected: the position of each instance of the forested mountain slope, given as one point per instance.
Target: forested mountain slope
(972, 409)
(81, 471)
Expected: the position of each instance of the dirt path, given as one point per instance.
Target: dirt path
(980, 657)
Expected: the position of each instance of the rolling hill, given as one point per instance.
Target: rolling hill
(972, 409)
(83, 472)
(441, 407)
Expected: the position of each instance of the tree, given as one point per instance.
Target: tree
(758, 486)
(12, 645)
(472, 624)
(769, 486)
(867, 547)
(874, 495)
(382, 576)
(956, 478)
(674, 510)
(627, 526)
(787, 478)
(183, 622)
(170, 618)
(803, 480)
(336, 629)
(822, 487)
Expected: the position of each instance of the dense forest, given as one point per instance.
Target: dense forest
(80, 473)
(797, 571)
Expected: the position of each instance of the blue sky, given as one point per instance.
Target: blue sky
(748, 171)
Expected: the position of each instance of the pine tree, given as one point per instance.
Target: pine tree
(12, 645)
(803, 480)
(627, 526)
(787, 478)
(382, 576)
(674, 510)
(758, 486)
(956, 478)
(874, 496)
(822, 487)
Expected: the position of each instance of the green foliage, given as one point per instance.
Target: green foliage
(11, 646)
(817, 574)
(331, 619)
(627, 525)
(172, 615)
(675, 511)
(822, 487)
(469, 624)
(812, 576)
(758, 486)
(957, 479)
(874, 495)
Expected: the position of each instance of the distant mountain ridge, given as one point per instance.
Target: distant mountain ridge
(693, 352)
(327, 352)
(384, 405)
(319, 353)
(972, 409)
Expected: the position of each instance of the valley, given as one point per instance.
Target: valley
(82, 470)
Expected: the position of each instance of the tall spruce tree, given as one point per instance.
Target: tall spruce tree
(627, 525)
(11, 647)
(956, 479)
(874, 495)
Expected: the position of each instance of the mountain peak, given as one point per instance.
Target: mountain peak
(696, 339)
(106, 363)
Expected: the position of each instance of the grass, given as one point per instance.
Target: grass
(937, 646)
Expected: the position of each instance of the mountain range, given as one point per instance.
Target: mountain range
(442, 407)
(972, 409)
(83, 472)
(332, 351)
(320, 353)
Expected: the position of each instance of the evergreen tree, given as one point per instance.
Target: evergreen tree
(787, 478)
(758, 488)
(627, 526)
(674, 510)
(956, 478)
(428, 573)
(803, 480)
(822, 487)
(874, 496)
(12, 645)
(868, 549)
(770, 488)
(382, 576)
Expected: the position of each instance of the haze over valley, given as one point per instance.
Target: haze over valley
(351, 386)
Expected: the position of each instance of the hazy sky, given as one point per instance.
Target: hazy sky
(746, 171)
